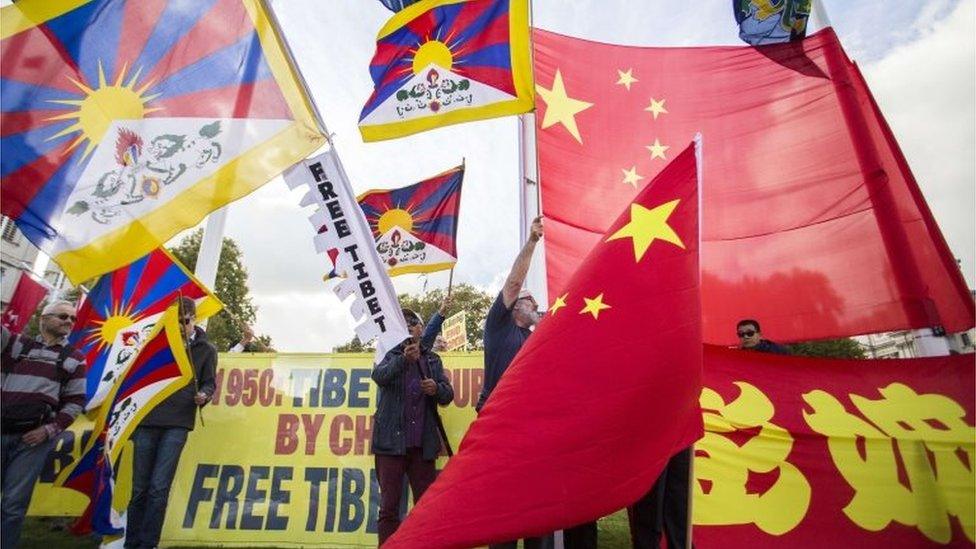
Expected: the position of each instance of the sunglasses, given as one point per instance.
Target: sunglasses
(64, 316)
(413, 322)
(747, 333)
(186, 320)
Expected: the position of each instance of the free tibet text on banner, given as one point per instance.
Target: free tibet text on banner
(837, 453)
(342, 226)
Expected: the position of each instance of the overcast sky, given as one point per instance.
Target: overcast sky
(919, 59)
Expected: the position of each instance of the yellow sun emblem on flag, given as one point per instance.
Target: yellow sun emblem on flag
(103, 105)
(395, 217)
(105, 331)
(432, 52)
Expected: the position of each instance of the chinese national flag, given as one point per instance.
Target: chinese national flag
(812, 222)
(600, 396)
(27, 296)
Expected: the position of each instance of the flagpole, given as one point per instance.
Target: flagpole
(290, 57)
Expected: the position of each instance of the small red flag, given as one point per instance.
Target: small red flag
(600, 396)
(27, 296)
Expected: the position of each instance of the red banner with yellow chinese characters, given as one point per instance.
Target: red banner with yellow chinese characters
(803, 452)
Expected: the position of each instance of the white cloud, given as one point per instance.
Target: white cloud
(926, 90)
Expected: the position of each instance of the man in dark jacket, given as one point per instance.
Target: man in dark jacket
(161, 435)
(751, 339)
(406, 439)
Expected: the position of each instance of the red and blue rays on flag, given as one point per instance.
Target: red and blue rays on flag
(440, 62)
(122, 309)
(74, 70)
(160, 369)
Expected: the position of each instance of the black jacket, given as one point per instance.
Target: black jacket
(179, 410)
(389, 437)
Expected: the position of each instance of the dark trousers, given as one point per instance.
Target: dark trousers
(157, 453)
(582, 536)
(665, 508)
(389, 472)
(22, 465)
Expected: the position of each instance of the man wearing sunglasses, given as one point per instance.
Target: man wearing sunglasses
(406, 434)
(43, 392)
(750, 339)
(161, 435)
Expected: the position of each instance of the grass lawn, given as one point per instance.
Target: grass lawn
(51, 533)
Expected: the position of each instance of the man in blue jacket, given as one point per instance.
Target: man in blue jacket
(406, 439)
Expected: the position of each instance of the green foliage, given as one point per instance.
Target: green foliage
(829, 348)
(225, 328)
(354, 346)
(465, 298)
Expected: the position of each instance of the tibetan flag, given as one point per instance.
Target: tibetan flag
(160, 369)
(812, 222)
(442, 62)
(771, 21)
(127, 122)
(123, 308)
(598, 399)
(415, 227)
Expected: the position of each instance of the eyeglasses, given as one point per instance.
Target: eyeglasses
(186, 320)
(747, 333)
(411, 322)
(63, 316)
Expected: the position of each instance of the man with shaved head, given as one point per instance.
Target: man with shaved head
(43, 381)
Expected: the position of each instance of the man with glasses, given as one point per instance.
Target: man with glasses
(161, 435)
(43, 392)
(406, 436)
(507, 326)
(750, 339)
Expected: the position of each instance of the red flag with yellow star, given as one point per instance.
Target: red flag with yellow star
(812, 222)
(600, 396)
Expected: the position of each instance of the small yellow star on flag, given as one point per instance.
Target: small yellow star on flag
(647, 225)
(594, 306)
(558, 304)
(627, 78)
(656, 107)
(631, 177)
(560, 108)
(657, 150)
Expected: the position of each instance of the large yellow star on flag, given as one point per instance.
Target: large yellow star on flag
(558, 304)
(560, 108)
(656, 107)
(594, 306)
(631, 177)
(647, 225)
(657, 150)
(626, 78)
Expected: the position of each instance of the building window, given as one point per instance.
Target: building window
(9, 230)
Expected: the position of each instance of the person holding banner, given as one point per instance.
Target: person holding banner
(43, 392)
(160, 437)
(406, 437)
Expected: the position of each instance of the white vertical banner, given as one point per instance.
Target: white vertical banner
(374, 302)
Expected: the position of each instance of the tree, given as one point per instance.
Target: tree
(354, 346)
(829, 348)
(225, 328)
(466, 298)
